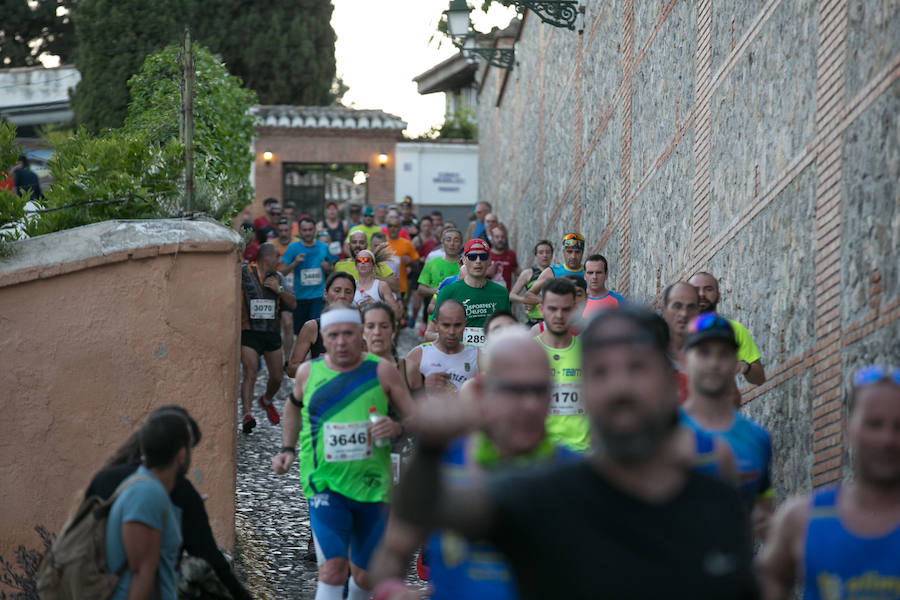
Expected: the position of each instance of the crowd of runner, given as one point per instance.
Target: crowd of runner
(548, 438)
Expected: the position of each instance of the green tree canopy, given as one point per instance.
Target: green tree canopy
(282, 49)
(30, 28)
(137, 171)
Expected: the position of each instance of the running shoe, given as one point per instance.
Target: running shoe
(248, 423)
(270, 409)
(422, 570)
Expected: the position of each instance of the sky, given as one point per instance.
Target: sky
(382, 45)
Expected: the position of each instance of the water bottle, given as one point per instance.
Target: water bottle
(373, 418)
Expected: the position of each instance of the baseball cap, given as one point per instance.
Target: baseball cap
(476, 245)
(406, 200)
(368, 211)
(331, 203)
(709, 326)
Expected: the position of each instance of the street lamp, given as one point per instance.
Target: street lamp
(459, 26)
(559, 13)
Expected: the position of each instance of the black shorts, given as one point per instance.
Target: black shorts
(261, 341)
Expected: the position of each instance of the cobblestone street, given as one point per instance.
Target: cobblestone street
(271, 521)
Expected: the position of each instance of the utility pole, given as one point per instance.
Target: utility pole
(187, 110)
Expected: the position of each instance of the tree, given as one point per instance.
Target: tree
(12, 207)
(30, 28)
(114, 37)
(282, 49)
(136, 171)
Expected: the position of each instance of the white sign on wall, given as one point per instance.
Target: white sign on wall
(437, 173)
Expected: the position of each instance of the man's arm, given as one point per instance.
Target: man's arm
(413, 376)
(142, 545)
(290, 424)
(308, 334)
(755, 374)
(780, 558)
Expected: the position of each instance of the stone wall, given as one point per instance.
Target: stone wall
(100, 326)
(758, 140)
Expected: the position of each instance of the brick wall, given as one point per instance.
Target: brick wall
(755, 139)
(298, 145)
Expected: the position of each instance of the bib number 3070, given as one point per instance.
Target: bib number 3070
(473, 336)
(566, 399)
(262, 309)
(347, 441)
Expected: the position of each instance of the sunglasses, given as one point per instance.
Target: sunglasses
(875, 374)
(363, 259)
(708, 321)
(482, 256)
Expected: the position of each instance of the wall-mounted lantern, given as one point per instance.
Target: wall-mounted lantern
(559, 13)
(382, 160)
(460, 28)
(268, 156)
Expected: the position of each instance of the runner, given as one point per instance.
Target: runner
(645, 524)
(567, 423)
(503, 258)
(844, 541)
(509, 434)
(367, 226)
(339, 288)
(680, 307)
(357, 241)
(368, 288)
(263, 290)
(406, 252)
(345, 471)
(749, 359)
(479, 296)
(336, 228)
(543, 256)
(447, 363)
(286, 315)
(440, 267)
(596, 271)
(573, 252)
(309, 261)
(711, 356)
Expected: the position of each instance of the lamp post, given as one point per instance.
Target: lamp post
(459, 26)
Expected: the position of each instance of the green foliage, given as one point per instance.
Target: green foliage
(136, 172)
(30, 28)
(461, 125)
(223, 127)
(282, 49)
(12, 207)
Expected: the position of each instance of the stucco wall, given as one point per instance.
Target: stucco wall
(100, 325)
(758, 140)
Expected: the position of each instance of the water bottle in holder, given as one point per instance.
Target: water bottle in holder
(373, 418)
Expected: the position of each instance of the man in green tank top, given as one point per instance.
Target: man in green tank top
(338, 410)
(567, 423)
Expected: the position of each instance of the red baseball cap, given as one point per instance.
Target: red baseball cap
(476, 245)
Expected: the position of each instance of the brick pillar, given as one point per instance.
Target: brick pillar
(623, 219)
(702, 133)
(830, 103)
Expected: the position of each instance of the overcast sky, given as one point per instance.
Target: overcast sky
(382, 45)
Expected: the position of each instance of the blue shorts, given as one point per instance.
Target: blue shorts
(345, 528)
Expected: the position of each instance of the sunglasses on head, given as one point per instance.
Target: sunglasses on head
(708, 321)
(875, 374)
(363, 259)
(482, 256)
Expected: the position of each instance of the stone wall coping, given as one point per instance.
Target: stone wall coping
(109, 242)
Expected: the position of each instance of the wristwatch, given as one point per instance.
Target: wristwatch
(280, 289)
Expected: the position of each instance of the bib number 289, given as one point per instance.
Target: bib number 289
(473, 336)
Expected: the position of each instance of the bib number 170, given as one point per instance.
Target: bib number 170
(566, 400)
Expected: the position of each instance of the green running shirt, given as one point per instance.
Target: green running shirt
(567, 423)
(336, 451)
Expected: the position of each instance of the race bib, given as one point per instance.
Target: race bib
(262, 309)
(310, 276)
(334, 248)
(347, 441)
(566, 399)
(473, 336)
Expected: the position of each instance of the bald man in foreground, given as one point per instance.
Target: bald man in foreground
(504, 429)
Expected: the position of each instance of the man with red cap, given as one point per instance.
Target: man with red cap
(480, 297)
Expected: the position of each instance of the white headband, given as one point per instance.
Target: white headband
(340, 315)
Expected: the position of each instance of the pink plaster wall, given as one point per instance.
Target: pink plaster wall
(89, 349)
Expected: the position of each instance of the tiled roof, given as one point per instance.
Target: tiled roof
(326, 117)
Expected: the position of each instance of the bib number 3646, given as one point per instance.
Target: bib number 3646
(347, 441)
(566, 399)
